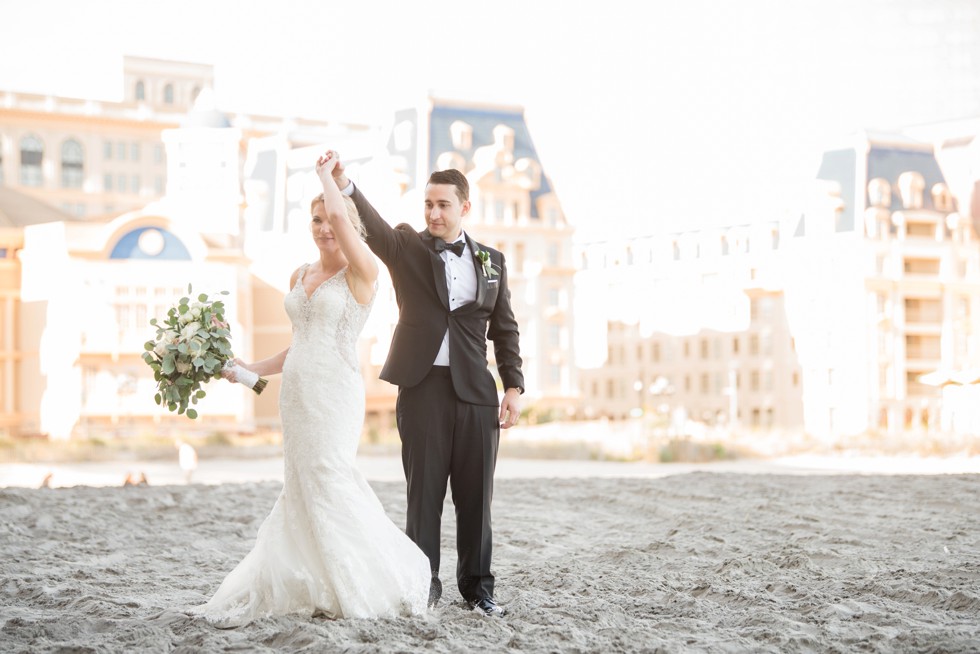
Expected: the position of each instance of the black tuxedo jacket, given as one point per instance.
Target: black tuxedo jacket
(419, 277)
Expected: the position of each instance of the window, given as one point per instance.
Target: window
(196, 92)
(168, 94)
(554, 335)
(134, 151)
(140, 90)
(705, 383)
(107, 183)
(122, 184)
(553, 254)
(754, 380)
(553, 297)
(656, 352)
(158, 153)
(1, 161)
(31, 156)
(107, 150)
(704, 348)
(753, 344)
(121, 151)
(72, 171)
(554, 373)
(735, 345)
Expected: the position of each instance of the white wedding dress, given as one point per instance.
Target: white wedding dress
(327, 547)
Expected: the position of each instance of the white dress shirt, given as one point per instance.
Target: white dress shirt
(461, 282)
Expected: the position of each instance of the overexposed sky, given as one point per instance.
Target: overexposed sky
(647, 115)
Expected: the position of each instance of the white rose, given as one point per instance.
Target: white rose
(185, 317)
(160, 349)
(189, 330)
(196, 311)
(183, 367)
(170, 336)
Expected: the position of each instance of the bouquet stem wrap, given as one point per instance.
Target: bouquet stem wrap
(246, 377)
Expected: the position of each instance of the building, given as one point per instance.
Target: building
(91, 250)
(823, 324)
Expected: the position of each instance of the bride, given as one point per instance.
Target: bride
(327, 547)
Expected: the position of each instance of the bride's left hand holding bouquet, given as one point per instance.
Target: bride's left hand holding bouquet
(191, 348)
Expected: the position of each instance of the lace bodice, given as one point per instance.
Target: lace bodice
(329, 320)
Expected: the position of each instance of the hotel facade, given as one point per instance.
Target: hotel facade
(849, 319)
(109, 209)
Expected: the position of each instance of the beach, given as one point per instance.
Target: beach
(739, 557)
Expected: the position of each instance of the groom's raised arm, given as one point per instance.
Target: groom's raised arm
(384, 240)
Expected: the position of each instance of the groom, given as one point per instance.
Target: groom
(452, 296)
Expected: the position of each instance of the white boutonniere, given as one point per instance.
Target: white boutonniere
(484, 258)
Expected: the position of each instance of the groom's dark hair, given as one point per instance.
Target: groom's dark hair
(454, 177)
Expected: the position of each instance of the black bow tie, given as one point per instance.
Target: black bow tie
(456, 248)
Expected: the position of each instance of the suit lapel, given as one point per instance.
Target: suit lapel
(438, 268)
(481, 279)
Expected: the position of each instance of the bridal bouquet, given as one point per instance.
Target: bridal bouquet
(191, 348)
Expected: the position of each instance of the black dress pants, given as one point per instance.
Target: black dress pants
(447, 440)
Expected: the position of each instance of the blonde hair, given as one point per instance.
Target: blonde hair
(352, 215)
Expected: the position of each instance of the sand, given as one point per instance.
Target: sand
(694, 562)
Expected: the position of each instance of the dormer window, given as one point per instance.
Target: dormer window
(942, 199)
(462, 135)
(503, 137)
(168, 94)
(910, 186)
(879, 193)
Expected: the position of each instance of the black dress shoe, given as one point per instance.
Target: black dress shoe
(488, 607)
(435, 591)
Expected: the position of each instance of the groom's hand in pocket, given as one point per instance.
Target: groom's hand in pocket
(510, 408)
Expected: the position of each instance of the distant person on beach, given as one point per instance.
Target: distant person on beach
(327, 547)
(453, 297)
(187, 459)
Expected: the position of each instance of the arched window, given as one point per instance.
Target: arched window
(150, 243)
(140, 91)
(168, 94)
(72, 164)
(31, 156)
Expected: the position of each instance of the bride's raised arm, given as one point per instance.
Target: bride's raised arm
(363, 266)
